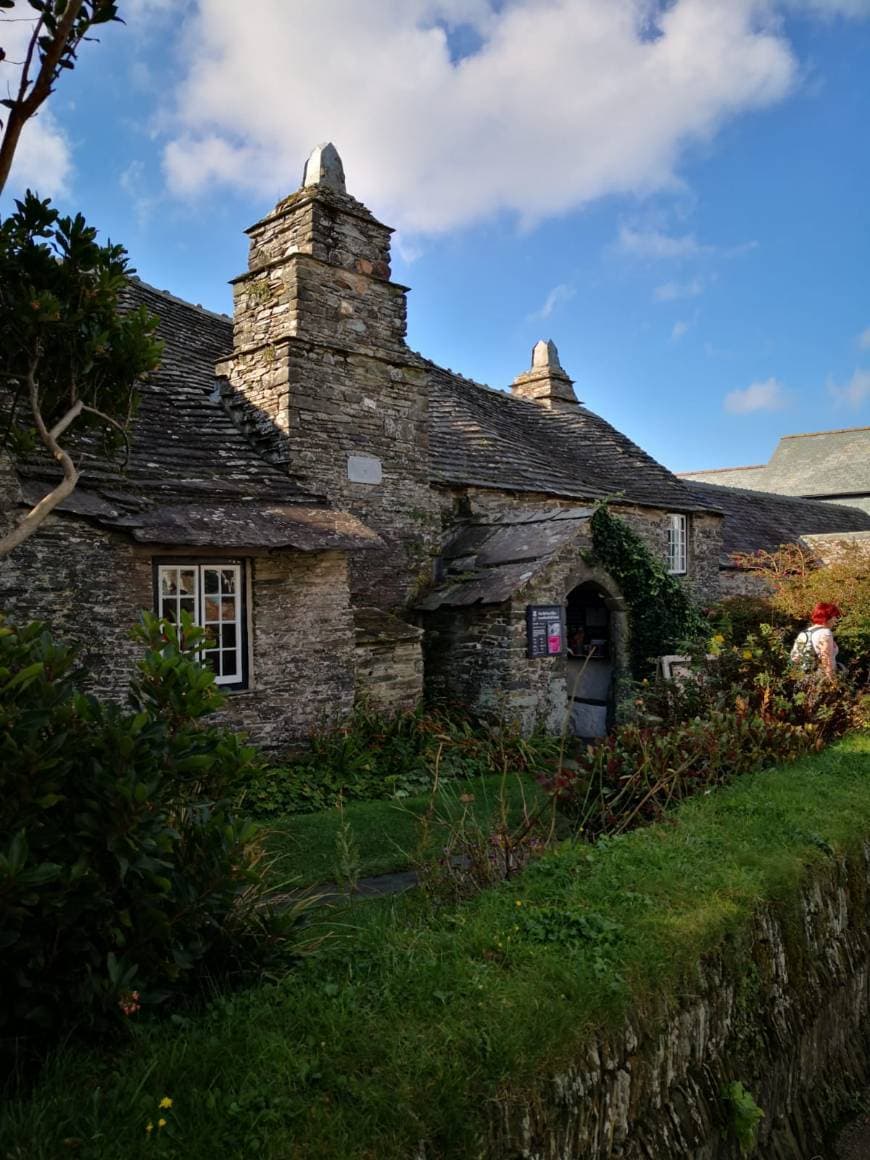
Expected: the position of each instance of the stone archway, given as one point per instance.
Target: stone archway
(597, 658)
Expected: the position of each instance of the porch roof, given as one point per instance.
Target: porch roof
(486, 561)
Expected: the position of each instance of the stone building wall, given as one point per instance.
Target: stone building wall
(388, 662)
(90, 585)
(467, 657)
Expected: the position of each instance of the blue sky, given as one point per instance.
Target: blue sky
(675, 193)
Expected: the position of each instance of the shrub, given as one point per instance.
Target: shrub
(125, 876)
(737, 617)
(374, 756)
(742, 709)
(635, 774)
(798, 581)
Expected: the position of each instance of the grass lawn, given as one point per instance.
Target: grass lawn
(410, 1019)
(386, 834)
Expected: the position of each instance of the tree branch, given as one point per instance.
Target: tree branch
(36, 516)
(26, 106)
(114, 423)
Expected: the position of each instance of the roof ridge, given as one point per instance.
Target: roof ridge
(816, 434)
(226, 318)
(713, 470)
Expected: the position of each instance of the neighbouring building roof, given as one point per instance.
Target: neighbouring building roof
(489, 559)
(484, 437)
(757, 519)
(192, 478)
(821, 464)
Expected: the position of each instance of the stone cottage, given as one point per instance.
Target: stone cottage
(346, 518)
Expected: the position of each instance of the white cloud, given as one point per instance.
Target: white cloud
(558, 295)
(679, 329)
(768, 395)
(639, 243)
(863, 339)
(854, 393)
(672, 291)
(564, 101)
(42, 161)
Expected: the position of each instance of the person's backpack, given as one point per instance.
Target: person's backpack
(803, 654)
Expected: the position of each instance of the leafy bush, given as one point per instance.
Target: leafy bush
(798, 581)
(737, 617)
(662, 614)
(634, 775)
(742, 709)
(125, 875)
(374, 757)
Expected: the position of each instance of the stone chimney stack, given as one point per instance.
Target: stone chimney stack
(546, 382)
(321, 377)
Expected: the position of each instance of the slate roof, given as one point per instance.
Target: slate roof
(486, 561)
(192, 477)
(820, 463)
(757, 519)
(484, 437)
(824, 463)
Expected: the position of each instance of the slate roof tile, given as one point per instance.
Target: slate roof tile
(758, 519)
(480, 436)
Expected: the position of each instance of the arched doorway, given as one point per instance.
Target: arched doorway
(592, 655)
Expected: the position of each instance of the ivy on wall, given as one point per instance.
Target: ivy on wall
(661, 612)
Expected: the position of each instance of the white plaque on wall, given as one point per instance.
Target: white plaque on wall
(364, 469)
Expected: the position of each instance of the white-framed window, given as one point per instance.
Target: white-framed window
(214, 595)
(678, 554)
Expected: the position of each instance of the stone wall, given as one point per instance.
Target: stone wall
(786, 1013)
(741, 582)
(90, 585)
(388, 661)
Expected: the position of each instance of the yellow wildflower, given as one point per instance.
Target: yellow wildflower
(517, 902)
(747, 654)
(149, 1127)
(161, 1123)
(166, 1102)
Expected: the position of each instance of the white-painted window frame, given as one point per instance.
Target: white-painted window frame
(209, 610)
(678, 544)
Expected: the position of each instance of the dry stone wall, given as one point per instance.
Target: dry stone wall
(785, 1011)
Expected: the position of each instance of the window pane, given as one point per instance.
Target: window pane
(228, 609)
(187, 604)
(210, 579)
(168, 581)
(228, 635)
(228, 660)
(212, 610)
(212, 660)
(168, 608)
(228, 580)
(187, 583)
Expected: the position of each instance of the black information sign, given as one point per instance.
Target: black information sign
(544, 630)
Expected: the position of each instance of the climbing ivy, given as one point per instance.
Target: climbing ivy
(662, 614)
